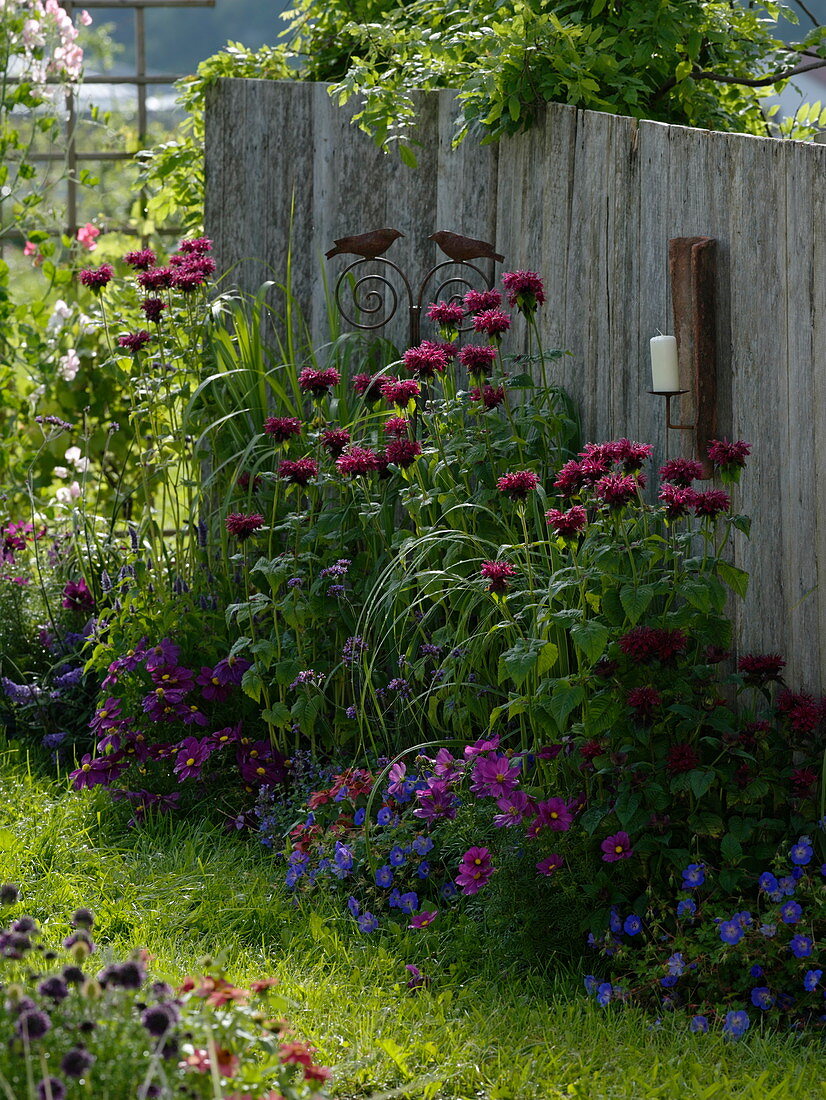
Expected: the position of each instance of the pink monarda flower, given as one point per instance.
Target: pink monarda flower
(195, 246)
(403, 452)
(242, 525)
(524, 289)
(368, 386)
(282, 428)
(570, 479)
(490, 396)
(549, 864)
(722, 453)
(335, 441)
(617, 490)
(156, 278)
(357, 461)
(318, 383)
(647, 643)
(300, 472)
(493, 322)
(478, 358)
(517, 484)
(681, 471)
(760, 668)
(711, 503)
(186, 279)
(616, 847)
(498, 574)
(446, 314)
(567, 524)
(644, 701)
(134, 341)
(396, 426)
(96, 278)
(400, 391)
(678, 501)
(476, 301)
(141, 259)
(152, 309)
(803, 711)
(475, 870)
(629, 453)
(425, 361)
(681, 758)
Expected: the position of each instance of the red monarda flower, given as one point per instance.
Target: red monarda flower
(681, 471)
(335, 441)
(403, 452)
(446, 314)
(368, 386)
(711, 503)
(134, 341)
(141, 259)
(493, 322)
(245, 479)
(187, 279)
(498, 574)
(617, 490)
(478, 359)
(300, 472)
(318, 383)
(195, 246)
(152, 308)
(156, 278)
(518, 484)
(243, 526)
(629, 453)
(595, 466)
(677, 501)
(644, 701)
(524, 289)
(647, 643)
(282, 428)
(96, 278)
(396, 426)
(400, 391)
(425, 361)
(803, 711)
(490, 396)
(570, 479)
(722, 453)
(567, 524)
(358, 461)
(761, 668)
(478, 300)
(803, 781)
(681, 758)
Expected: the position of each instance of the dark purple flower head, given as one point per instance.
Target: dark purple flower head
(681, 758)
(9, 893)
(357, 462)
(550, 864)
(77, 597)
(498, 574)
(368, 386)
(77, 1061)
(403, 452)
(617, 490)
(478, 359)
(478, 300)
(159, 1019)
(400, 391)
(152, 309)
(678, 502)
(282, 428)
(436, 801)
(447, 315)
(141, 259)
(243, 526)
(570, 479)
(492, 322)
(300, 472)
(724, 454)
(193, 753)
(335, 441)
(318, 382)
(644, 701)
(518, 484)
(96, 278)
(134, 341)
(490, 396)
(616, 847)
(524, 289)
(567, 524)
(711, 503)
(56, 1089)
(156, 278)
(681, 471)
(761, 668)
(32, 1024)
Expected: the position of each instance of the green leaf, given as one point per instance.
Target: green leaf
(682, 71)
(520, 382)
(591, 637)
(278, 715)
(547, 658)
(701, 781)
(635, 600)
(518, 662)
(408, 157)
(708, 824)
(736, 579)
(565, 698)
(252, 684)
(730, 849)
(591, 819)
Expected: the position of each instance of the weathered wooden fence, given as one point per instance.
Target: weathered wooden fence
(590, 201)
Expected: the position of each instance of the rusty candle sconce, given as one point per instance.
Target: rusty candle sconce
(369, 301)
(692, 265)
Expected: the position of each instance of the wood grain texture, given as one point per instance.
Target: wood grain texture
(590, 201)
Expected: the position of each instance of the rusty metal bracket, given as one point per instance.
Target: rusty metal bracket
(692, 265)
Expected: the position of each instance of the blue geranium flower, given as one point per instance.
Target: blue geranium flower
(449, 890)
(800, 946)
(693, 876)
(811, 980)
(731, 931)
(422, 845)
(384, 877)
(801, 852)
(632, 925)
(409, 902)
(756, 971)
(786, 885)
(615, 922)
(761, 997)
(736, 1023)
(604, 992)
(687, 908)
(367, 922)
(384, 816)
(590, 983)
(359, 816)
(353, 906)
(676, 964)
(768, 883)
(699, 1024)
(791, 912)
(423, 870)
(396, 856)
(668, 981)
(293, 875)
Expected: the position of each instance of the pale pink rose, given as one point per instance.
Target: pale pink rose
(87, 235)
(85, 18)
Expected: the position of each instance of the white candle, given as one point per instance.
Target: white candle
(665, 371)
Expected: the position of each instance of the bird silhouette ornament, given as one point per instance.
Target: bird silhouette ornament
(459, 248)
(369, 245)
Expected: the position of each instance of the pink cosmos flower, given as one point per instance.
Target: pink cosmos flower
(475, 870)
(518, 484)
(423, 919)
(87, 236)
(495, 775)
(553, 813)
(514, 807)
(550, 864)
(192, 755)
(616, 847)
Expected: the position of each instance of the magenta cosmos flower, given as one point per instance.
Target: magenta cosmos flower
(554, 814)
(475, 870)
(518, 484)
(498, 574)
(524, 289)
(423, 919)
(550, 864)
(495, 775)
(616, 847)
(243, 526)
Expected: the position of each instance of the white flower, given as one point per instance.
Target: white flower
(36, 394)
(61, 471)
(75, 458)
(68, 365)
(60, 315)
(66, 495)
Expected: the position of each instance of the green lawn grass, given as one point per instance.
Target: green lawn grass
(483, 1030)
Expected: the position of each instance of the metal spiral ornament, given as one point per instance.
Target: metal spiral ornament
(371, 301)
(454, 280)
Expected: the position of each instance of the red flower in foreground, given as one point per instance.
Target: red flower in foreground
(524, 289)
(318, 383)
(396, 426)
(760, 668)
(498, 573)
(490, 396)
(616, 847)
(646, 643)
(425, 361)
(156, 278)
(644, 702)
(711, 503)
(368, 386)
(678, 501)
(282, 428)
(478, 300)
(478, 358)
(140, 260)
(723, 454)
(681, 471)
(567, 524)
(358, 461)
(518, 484)
(681, 758)
(570, 479)
(152, 308)
(134, 341)
(617, 490)
(446, 314)
(243, 526)
(631, 454)
(300, 472)
(96, 278)
(335, 441)
(400, 391)
(803, 711)
(403, 452)
(493, 322)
